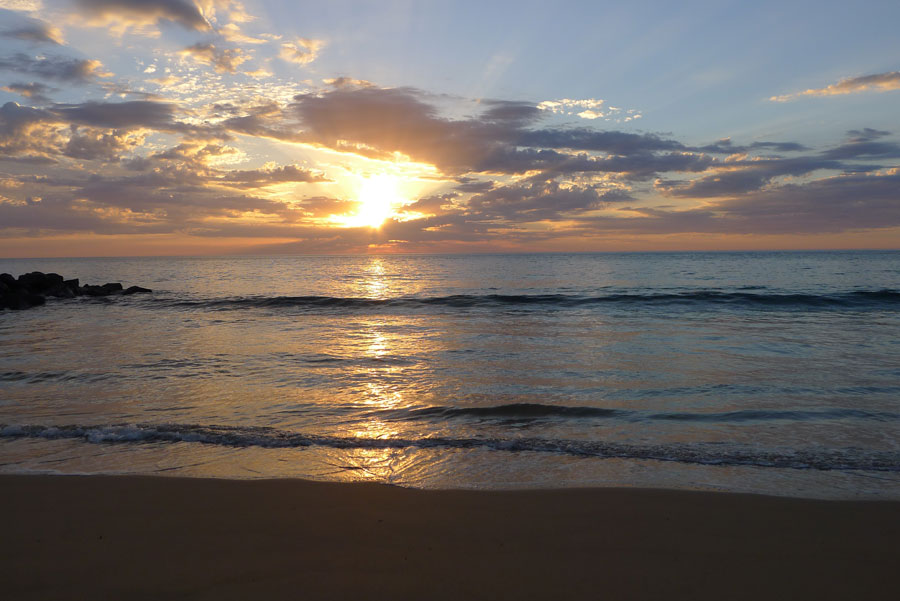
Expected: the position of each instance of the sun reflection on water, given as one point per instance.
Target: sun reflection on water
(380, 375)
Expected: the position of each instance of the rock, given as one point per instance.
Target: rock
(89, 290)
(21, 299)
(61, 291)
(31, 289)
(104, 290)
(38, 282)
(135, 290)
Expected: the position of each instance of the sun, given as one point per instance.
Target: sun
(378, 196)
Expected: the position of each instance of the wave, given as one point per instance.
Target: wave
(269, 438)
(859, 299)
(536, 411)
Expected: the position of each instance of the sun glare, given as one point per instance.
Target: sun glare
(378, 198)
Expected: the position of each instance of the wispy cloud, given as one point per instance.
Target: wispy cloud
(222, 60)
(880, 82)
(302, 52)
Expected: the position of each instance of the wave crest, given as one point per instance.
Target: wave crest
(271, 438)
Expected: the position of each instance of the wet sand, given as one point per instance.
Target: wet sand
(122, 537)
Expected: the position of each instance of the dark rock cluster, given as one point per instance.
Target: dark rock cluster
(32, 289)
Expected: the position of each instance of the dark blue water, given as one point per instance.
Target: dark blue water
(762, 372)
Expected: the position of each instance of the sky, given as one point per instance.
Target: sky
(194, 127)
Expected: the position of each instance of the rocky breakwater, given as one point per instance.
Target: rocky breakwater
(32, 289)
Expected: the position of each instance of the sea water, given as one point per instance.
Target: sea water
(774, 372)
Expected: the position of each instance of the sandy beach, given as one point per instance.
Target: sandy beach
(123, 537)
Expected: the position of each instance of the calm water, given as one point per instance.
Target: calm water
(764, 372)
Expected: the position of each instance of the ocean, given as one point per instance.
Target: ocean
(763, 372)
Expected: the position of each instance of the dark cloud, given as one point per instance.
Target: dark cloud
(612, 142)
(194, 154)
(467, 184)
(96, 145)
(36, 92)
(506, 175)
(510, 112)
(830, 205)
(264, 121)
(258, 178)
(738, 177)
(865, 134)
(135, 113)
(145, 12)
(437, 204)
(35, 31)
(27, 132)
(861, 143)
(55, 130)
(377, 122)
(539, 200)
(726, 146)
(60, 68)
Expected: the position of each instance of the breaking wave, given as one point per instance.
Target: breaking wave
(271, 438)
(858, 299)
(526, 411)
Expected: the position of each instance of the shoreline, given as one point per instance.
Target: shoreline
(157, 537)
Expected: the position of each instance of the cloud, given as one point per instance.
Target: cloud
(504, 173)
(862, 144)
(71, 70)
(27, 132)
(347, 82)
(541, 200)
(505, 111)
(742, 176)
(22, 5)
(590, 109)
(36, 92)
(232, 9)
(567, 106)
(44, 133)
(726, 146)
(223, 61)
(122, 15)
(233, 33)
(379, 121)
(880, 82)
(303, 51)
(35, 31)
(613, 142)
(260, 73)
(57, 129)
(135, 113)
(259, 178)
(829, 205)
(94, 145)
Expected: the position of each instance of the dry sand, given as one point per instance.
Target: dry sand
(69, 537)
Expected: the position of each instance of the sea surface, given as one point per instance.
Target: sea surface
(774, 373)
